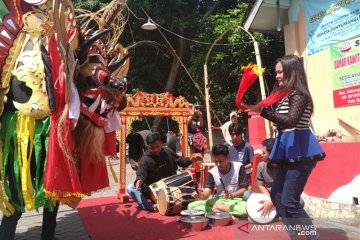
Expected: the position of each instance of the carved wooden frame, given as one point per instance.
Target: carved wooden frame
(151, 104)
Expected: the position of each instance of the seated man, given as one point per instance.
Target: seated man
(233, 176)
(266, 172)
(157, 162)
(239, 149)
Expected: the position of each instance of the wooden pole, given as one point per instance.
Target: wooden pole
(207, 103)
(207, 87)
(262, 86)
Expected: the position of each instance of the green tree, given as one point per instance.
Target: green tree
(154, 68)
(158, 69)
(225, 62)
(91, 5)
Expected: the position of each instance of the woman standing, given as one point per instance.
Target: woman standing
(296, 148)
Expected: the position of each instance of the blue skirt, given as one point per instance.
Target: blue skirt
(296, 145)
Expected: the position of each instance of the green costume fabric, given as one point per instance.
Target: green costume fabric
(11, 167)
(237, 205)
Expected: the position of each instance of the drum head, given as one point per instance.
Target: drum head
(253, 205)
(154, 189)
(162, 201)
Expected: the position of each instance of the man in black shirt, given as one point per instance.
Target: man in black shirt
(157, 162)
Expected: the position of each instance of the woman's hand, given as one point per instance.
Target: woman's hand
(252, 108)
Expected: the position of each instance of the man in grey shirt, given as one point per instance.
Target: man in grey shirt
(265, 175)
(266, 171)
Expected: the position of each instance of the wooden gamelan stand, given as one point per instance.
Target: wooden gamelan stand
(150, 105)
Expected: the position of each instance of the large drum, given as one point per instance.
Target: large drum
(254, 203)
(171, 200)
(181, 179)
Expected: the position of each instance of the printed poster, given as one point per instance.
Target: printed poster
(345, 60)
(330, 22)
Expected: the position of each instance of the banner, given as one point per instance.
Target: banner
(345, 60)
(330, 22)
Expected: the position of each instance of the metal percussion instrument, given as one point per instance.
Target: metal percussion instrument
(192, 212)
(219, 218)
(194, 223)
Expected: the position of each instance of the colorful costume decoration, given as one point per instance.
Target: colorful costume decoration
(251, 73)
(61, 90)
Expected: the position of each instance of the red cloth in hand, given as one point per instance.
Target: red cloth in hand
(247, 80)
(273, 98)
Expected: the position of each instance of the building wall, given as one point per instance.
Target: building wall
(318, 69)
(336, 178)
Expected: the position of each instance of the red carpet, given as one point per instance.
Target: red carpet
(107, 218)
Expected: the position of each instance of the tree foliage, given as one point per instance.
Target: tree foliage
(152, 64)
(225, 62)
(91, 5)
(202, 21)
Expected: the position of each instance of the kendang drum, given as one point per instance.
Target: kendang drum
(181, 179)
(171, 200)
(254, 203)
